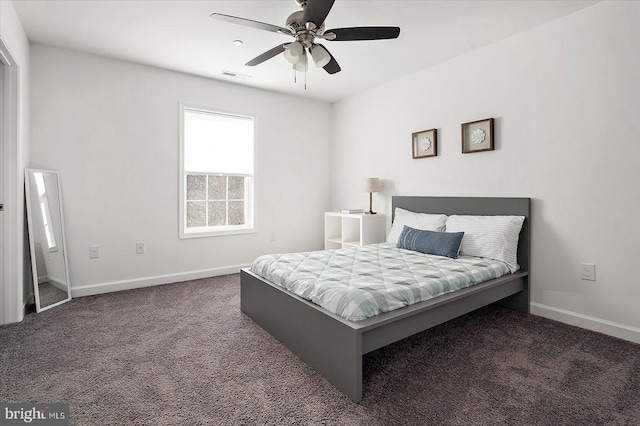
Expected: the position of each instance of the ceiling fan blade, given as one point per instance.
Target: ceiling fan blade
(364, 33)
(266, 55)
(316, 11)
(332, 67)
(250, 23)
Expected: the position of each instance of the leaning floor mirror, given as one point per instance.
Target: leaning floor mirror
(46, 239)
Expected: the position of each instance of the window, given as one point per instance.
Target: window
(43, 199)
(216, 178)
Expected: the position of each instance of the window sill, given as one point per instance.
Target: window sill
(220, 233)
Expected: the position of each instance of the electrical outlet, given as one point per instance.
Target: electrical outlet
(140, 247)
(589, 271)
(94, 252)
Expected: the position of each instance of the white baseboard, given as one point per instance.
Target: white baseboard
(610, 328)
(60, 285)
(91, 289)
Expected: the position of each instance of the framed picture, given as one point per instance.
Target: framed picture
(424, 144)
(477, 136)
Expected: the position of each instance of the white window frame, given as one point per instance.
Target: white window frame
(199, 232)
(43, 199)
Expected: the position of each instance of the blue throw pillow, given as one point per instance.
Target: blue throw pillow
(430, 242)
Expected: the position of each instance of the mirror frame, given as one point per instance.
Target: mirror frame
(34, 271)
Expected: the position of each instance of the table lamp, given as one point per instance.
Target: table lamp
(371, 185)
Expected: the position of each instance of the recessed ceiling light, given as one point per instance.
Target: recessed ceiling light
(238, 42)
(227, 73)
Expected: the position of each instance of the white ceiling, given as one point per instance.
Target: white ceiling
(179, 35)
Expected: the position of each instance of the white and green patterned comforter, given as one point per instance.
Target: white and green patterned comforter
(361, 282)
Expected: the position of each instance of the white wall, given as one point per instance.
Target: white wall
(564, 96)
(111, 129)
(15, 287)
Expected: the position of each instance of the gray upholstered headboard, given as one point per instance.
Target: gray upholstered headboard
(475, 206)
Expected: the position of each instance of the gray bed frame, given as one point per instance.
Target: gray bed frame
(334, 346)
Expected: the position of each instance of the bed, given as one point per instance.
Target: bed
(334, 346)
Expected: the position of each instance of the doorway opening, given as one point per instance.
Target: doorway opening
(11, 216)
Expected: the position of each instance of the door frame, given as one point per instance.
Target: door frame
(11, 281)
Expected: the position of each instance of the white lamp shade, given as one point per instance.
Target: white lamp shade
(302, 65)
(293, 52)
(372, 185)
(320, 55)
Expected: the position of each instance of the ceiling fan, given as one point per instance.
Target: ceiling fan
(305, 27)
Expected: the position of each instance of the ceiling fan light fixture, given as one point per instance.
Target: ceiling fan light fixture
(305, 26)
(320, 55)
(293, 52)
(303, 64)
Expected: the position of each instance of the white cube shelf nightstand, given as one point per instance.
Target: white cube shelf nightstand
(343, 230)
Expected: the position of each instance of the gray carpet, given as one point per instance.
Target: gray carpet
(184, 354)
(50, 294)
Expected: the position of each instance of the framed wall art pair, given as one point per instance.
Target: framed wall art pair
(477, 136)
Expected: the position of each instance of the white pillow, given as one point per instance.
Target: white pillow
(495, 237)
(424, 221)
